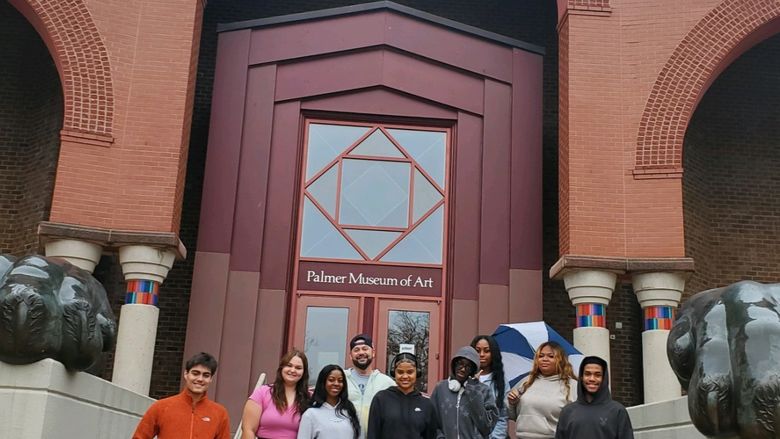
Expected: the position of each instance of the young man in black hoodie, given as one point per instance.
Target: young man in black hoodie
(594, 415)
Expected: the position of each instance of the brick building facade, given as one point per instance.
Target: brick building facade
(657, 142)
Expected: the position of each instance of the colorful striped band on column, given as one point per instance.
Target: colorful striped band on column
(143, 292)
(659, 317)
(591, 315)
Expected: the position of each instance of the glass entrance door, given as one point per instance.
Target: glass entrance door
(411, 326)
(323, 327)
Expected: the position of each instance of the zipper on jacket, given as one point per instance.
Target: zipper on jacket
(192, 420)
(457, 415)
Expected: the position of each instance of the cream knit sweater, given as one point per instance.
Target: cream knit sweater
(540, 406)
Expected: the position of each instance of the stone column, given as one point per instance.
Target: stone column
(590, 292)
(82, 254)
(659, 295)
(145, 268)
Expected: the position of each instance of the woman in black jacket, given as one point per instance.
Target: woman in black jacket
(402, 411)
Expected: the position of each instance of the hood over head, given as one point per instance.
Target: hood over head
(602, 394)
(468, 353)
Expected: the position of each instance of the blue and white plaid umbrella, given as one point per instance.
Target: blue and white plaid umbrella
(518, 343)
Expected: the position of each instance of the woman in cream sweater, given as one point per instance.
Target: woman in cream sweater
(536, 401)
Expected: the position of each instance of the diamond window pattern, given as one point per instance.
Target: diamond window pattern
(374, 194)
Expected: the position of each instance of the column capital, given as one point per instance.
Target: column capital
(142, 262)
(82, 254)
(590, 286)
(659, 288)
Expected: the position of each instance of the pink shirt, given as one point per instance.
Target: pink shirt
(272, 423)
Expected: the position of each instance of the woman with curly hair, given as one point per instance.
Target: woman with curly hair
(331, 415)
(274, 411)
(492, 373)
(535, 403)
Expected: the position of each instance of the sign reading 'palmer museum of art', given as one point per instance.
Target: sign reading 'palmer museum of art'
(325, 276)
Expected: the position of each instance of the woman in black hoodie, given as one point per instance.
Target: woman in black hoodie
(595, 415)
(402, 411)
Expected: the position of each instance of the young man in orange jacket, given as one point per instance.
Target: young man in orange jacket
(190, 414)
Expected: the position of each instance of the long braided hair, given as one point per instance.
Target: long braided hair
(496, 367)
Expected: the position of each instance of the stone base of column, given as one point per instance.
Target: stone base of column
(82, 254)
(135, 347)
(592, 341)
(659, 295)
(144, 262)
(590, 286)
(660, 382)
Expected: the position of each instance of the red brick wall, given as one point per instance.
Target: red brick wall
(731, 183)
(30, 119)
(129, 77)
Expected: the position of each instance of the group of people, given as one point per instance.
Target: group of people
(475, 401)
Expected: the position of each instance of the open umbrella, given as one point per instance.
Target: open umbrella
(518, 343)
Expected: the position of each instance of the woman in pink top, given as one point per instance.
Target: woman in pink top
(274, 411)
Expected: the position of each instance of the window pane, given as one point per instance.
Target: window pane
(320, 239)
(324, 190)
(326, 338)
(374, 193)
(428, 148)
(425, 196)
(326, 142)
(410, 328)
(423, 245)
(377, 145)
(372, 241)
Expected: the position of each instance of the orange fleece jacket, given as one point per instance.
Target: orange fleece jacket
(176, 417)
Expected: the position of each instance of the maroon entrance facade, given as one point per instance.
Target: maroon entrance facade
(370, 169)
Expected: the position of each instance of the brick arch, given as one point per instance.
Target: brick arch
(724, 34)
(73, 39)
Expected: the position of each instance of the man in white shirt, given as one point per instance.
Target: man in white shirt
(363, 380)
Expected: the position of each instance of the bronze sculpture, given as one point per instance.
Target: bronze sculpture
(52, 309)
(725, 349)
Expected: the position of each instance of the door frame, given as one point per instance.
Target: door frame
(296, 328)
(435, 335)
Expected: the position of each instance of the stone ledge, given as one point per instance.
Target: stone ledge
(45, 400)
(619, 265)
(110, 238)
(663, 420)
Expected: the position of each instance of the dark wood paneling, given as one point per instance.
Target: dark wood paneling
(237, 340)
(526, 190)
(380, 101)
(455, 49)
(496, 147)
(222, 159)
(207, 304)
(331, 74)
(356, 70)
(384, 28)
(466, 208)
(253, 172)
(279, 237)
(432, 81)
(311, 38)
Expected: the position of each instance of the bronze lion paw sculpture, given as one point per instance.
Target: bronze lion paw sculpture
(52, 309)
(725, 349)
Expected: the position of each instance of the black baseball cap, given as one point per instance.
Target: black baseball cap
(360, 339)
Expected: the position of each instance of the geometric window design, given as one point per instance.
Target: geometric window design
(374, 194)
